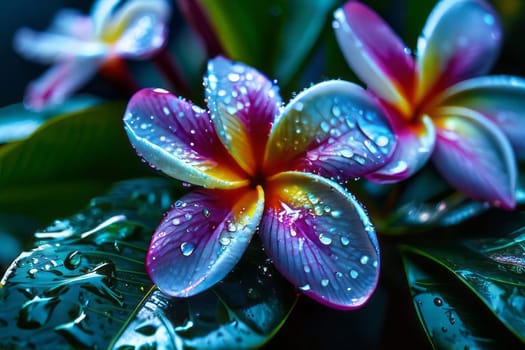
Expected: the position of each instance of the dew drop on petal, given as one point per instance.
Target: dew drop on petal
(225, 241)
(175, 221)
(325, 282)
(325, 239)
(187, 248)
(345, 241)
(338, 274)
(205, 213)
(305, 287)
(354, 274)
(307, 269)
(364, 259)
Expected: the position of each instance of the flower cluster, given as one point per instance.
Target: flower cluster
(438, 103)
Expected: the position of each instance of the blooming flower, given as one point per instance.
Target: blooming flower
(260, 167)
(439, 104)
(79, 45)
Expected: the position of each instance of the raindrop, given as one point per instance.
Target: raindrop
(325, 127)
(225, 241)
(188, 216)
(230, 226)
(72, 260)
(187, 248)
(345, 241)
(179, 204)
(354, 274)
(336, 213)
(325, 282)
(438, 302)
(307, 269)
(176, 221)
(346, 153)
(325, 240)
(364, 259)
(339, 274)
(305, 287)
(336, 111)
(205, 213)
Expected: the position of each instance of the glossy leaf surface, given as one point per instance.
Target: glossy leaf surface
(84, 285)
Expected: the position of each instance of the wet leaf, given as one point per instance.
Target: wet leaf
(67, 160)
(275, 36)
(17, 122)
(84, 285)
(465, 298)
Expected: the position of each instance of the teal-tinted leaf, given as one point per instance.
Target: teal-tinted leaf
(455, 281)
(273, 36)
(17, 122)
(67, 160)
(85, 286)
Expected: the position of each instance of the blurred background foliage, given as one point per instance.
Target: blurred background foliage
(78, 155)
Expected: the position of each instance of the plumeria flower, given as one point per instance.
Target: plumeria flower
(267, 169)
(80, 45)
(439, 104)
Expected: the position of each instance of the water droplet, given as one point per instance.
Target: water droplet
(325, 127)
(187, 248)
(354, 274)
(230, 226)
(188, 216)
(72, 260)
(336, 111)
(438, 302)
(325, 282)
(307, 269)
(175, 221)
(345, 241)
(325, 239)
(346, 153)
(305, 287)
(298, 106)
(205, 213)
(234, 77)
(364, 259)
(339, 274)
(336, 213)
(225, 241)
(179, 204)
(166, 110)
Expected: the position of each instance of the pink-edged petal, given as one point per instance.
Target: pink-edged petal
(499, 98)
(243, 105)
(48, 47)
(59, 82)
(202, 238)
(335, 129)
(178, 138)
(320, 238)
(415, 143)
(375, 53)
(474, 156)
(461, 39)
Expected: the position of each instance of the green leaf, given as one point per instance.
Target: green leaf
(273, 36)
(66, 161)
(84, 285)
(464, 296)
(17, 122)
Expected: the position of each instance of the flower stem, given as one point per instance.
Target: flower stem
(197, 18)
(171, 71)
(117, 72)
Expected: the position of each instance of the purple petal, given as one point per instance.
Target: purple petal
(335, 129)
(499, 98)
(178, 138)
(59, 82)
(320, 238)
(202, 238)
(375, 53)
(474, 156)
(461, 39)
(414, 147)
(243, 105)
